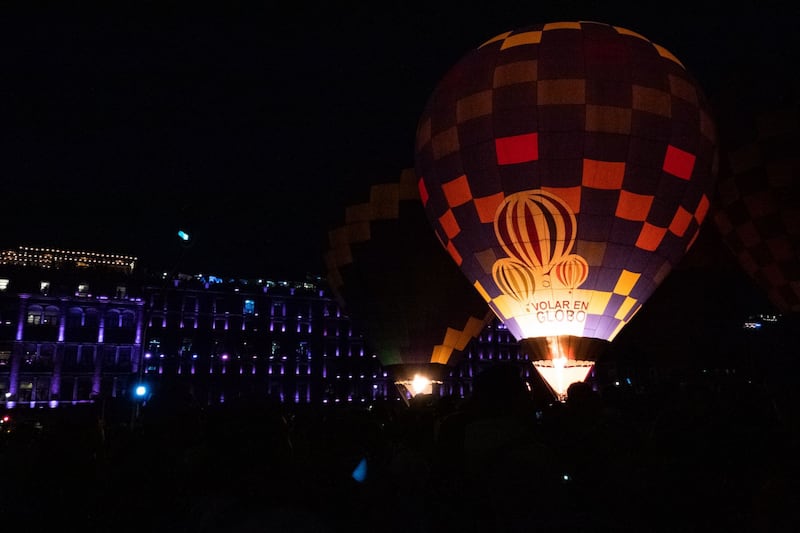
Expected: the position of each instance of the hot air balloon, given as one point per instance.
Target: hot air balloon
(757, 214)
(566, 168)
(390, 274)
(757, 207)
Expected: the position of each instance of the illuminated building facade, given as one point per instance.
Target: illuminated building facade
(53, 258)
(67, 328)
(73, 331)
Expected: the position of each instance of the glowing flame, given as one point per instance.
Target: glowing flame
(560, 372)
(421, 384)
(412, 387)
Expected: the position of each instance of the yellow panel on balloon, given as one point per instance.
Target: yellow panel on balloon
(482, 291)
(625, 308)
(441, 354)
(598, 302)
(627, 280)
(531, 37)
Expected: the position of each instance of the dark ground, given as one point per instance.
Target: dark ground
(699, 455)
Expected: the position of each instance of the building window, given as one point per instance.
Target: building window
(127, 319)
(112, 319)
(75, 317)
(91, 318)
(34, 315)
(109, 356)
(70, 357)
(44, 287)
(124, 356)
(51, 314)
(190, 304)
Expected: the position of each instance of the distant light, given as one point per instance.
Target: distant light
(183, 235)
(360, 471)
(140, 391)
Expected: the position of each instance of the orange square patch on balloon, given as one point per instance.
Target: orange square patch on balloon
(650, 237)
(632, 206)
(457, 191)
(702, 209)
(449, 224)
(680, 222)
(451, 249)
(487, 206)
(605, 175)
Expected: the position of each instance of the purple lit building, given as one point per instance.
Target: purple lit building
(76, 327)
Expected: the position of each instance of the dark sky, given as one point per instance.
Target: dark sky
(253, 124)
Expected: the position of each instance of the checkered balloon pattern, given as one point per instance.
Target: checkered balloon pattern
(399, 287)
(757, 206)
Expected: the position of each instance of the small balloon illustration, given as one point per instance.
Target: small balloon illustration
(572, 271)
(536, 227)
(515, 279)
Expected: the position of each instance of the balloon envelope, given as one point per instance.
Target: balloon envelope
(757, 208)
(566, 168)
(393, 278)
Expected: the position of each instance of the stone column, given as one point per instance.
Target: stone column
(16, 352)
(137, 355)
(58, 354)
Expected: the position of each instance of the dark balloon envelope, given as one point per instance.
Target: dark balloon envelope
(392, 277)
(566, 168)
(757, 208)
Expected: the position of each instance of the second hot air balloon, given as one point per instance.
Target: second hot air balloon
(566, 167)
(391, 276)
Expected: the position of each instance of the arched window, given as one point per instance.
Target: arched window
(91, 318)
(127, 320)
(75, 317)
(34, 314)
(51, 315)
(112, 318)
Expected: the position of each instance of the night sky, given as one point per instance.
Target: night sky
(254, 125)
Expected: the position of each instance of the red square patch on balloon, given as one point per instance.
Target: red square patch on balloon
(517, 148)
(423, 192)
(678, 163)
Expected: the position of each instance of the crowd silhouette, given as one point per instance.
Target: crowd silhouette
(693, 455)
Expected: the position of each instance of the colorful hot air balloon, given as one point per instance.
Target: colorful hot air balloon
(566, 168)
(390, 274)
